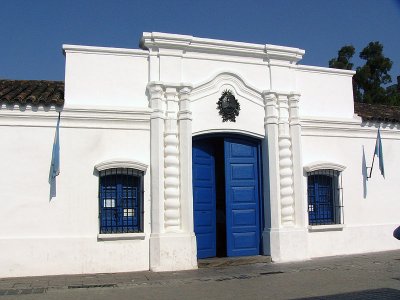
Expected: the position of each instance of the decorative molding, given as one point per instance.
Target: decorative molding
(216, 82)
(103, 50)
(229, 130)
(121, 236)
(347, 128)
(323, 165)
(294, 99)
(157, 40)
(323, 70)
(121, 163)
(271, 107)
(78, 117)
(156, 98)
(333, 227)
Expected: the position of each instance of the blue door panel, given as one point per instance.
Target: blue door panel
(204, 199)
(242, 171)
(244, 244)
(242, 197)
(244, 217)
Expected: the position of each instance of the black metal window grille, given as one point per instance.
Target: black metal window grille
(325, 197)
(121, 201)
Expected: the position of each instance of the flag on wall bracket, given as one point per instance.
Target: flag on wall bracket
(379, 153)
(55, 160)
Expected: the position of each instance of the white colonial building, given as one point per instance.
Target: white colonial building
(190, 148)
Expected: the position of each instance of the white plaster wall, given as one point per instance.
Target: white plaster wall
(369, 219)
(325, 92)
(105, 76)
(40, 236)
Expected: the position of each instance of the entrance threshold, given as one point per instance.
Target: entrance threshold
(233, 261)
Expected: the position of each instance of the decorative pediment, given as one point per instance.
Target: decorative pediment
(121, 163)
(323, 165)
(226, 81)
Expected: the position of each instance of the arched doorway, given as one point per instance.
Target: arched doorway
(227, 195)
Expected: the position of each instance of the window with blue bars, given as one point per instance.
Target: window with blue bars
(121, 201)
(324, 197)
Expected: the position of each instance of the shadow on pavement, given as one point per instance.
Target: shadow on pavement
(381, 294)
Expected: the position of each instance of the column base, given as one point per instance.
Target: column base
(173, 252)
(286, 244)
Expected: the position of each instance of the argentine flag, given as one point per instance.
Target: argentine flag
(379, 152)
(55, 160)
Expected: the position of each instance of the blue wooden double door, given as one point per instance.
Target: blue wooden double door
(226, 196)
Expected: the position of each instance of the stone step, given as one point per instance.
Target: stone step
(232, 261)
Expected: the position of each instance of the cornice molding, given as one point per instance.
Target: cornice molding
(121, 163)
(323, 70)
(103, 50)
(323, 165)
(77, 117)
(348, 128)
(158, 40)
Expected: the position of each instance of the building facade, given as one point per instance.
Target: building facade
(190, 148)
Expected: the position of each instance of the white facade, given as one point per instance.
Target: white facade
(140, 109)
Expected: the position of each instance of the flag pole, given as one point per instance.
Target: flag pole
(372, 166)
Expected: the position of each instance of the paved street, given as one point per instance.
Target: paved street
(368, 276)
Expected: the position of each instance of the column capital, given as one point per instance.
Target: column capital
(293, 96)
(294, 99)
(184, 92)
(155, 89)
(269, 96)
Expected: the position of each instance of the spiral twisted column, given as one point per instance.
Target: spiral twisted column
(285, 164)
(172, 216)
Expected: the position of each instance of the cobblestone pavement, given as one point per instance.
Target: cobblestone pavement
(366, 276)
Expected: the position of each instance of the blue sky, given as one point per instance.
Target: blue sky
(32, 32)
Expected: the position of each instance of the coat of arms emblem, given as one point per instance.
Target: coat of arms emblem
(228, 106)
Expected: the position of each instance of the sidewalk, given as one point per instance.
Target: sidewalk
(258, 268)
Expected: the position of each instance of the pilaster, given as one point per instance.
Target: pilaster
(295, 132)
(185, 152)
(157, 104)
(283, 238)
(172, 241)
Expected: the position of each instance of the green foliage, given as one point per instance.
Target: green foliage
(343, 59)
(369, 80)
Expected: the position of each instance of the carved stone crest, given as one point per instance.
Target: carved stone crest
(228, 106)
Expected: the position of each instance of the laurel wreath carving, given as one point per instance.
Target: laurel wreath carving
(228, 106)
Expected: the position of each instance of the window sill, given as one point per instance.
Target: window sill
(120, 236)
(333, 227)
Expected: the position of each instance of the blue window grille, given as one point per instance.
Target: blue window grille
(121, 201)
(324, 197)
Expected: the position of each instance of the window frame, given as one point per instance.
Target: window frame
(123, 188)
(136, 169)
(325, 176)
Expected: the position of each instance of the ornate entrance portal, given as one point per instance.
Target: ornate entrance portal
(227, 196)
